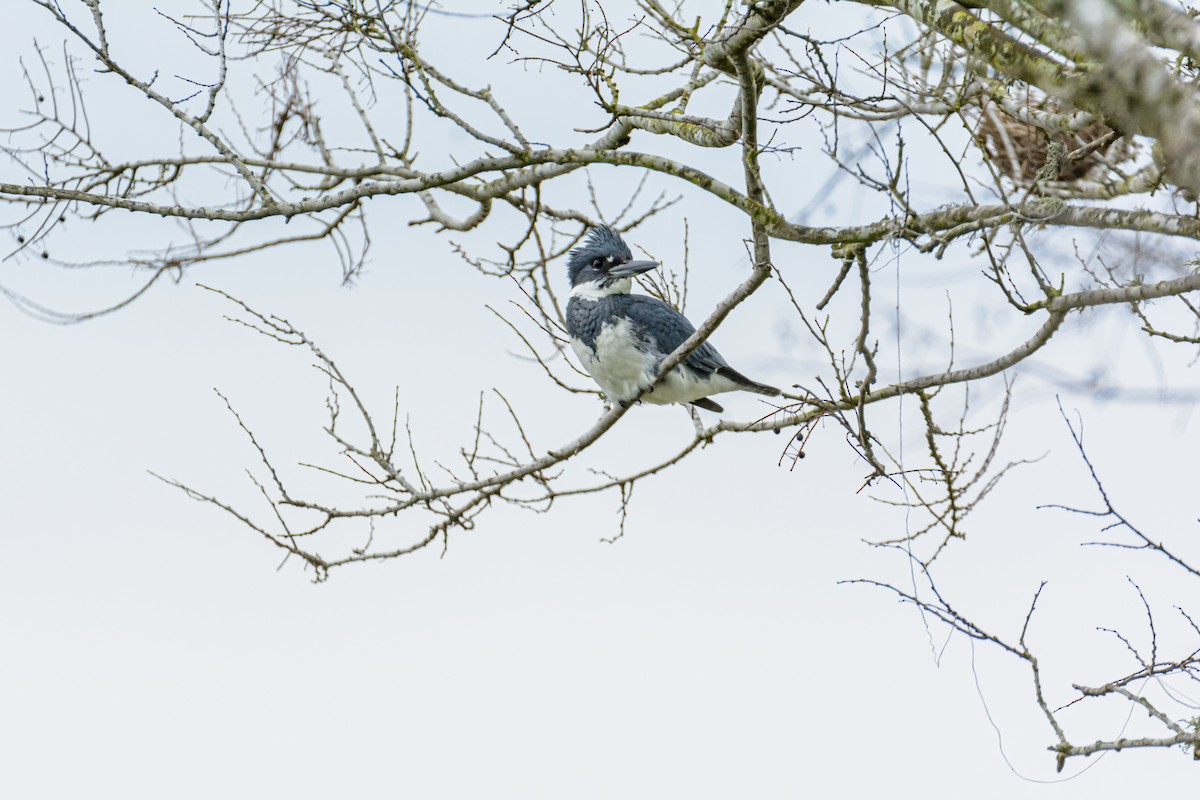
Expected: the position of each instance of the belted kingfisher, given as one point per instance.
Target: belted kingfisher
(622, 338)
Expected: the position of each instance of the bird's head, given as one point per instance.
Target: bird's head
(604, 262)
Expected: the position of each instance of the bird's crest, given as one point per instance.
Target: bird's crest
(600, 242)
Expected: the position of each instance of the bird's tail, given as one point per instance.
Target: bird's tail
(746, 383)
(761, 388)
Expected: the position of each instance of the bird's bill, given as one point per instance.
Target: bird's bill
(631, 268)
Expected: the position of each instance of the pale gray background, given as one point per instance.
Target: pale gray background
(150, 648)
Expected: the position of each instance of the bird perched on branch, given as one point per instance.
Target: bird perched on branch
(622, 338)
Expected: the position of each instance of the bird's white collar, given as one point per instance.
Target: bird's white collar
(594, 291)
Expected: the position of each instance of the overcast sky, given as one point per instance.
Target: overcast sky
(152, 648)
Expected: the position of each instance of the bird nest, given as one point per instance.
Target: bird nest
(1020, 150)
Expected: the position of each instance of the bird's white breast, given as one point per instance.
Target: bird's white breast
(619, 367)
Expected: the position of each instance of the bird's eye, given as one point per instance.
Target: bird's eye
(597, 263)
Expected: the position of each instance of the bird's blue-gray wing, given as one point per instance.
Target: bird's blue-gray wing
(665, 329)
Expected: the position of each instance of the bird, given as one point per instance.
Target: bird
(621, 338)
